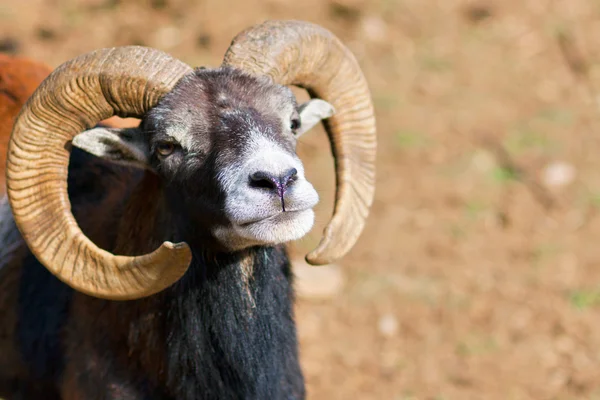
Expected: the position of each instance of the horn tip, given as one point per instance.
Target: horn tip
(180, 251)
(176, 246)
(316, 258)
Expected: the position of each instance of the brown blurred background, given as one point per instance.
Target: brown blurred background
(477, 276)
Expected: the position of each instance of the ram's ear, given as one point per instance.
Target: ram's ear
(311, 113)
(125, 146)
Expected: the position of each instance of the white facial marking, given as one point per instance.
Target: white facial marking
(256, 214)
(179, 129)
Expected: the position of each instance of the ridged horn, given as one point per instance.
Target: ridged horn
(124, 81)
(309, 56)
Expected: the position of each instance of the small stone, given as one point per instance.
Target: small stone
(388, 325)
(483, 161)
(558, 174)
(317, 282)
(167, 37)
(374, 29)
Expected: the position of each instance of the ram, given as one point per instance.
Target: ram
(18, 79)
(150, 262)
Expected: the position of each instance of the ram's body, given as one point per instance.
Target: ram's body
(225, 331)
(148, 262)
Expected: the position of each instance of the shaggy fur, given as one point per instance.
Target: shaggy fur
(224, 331)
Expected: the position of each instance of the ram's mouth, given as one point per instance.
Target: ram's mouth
(277, 218)
(278, 228)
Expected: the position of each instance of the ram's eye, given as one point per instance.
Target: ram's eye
(164, 149)
(295, 124)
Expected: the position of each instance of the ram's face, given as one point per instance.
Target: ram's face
(224, 144)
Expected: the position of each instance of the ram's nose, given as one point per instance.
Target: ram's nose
(276, 183)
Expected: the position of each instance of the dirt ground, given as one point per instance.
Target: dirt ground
(477, 276)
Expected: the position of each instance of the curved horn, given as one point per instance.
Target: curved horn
(309, 56)
(124, 81)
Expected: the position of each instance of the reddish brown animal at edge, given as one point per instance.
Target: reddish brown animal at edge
(19, 77)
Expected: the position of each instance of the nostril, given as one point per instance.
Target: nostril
(289, 177)
(263, 180)
(277, 183)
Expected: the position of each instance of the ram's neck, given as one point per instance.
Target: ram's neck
(224, 331)
(146, 221)
(230, 329)
(228, 323)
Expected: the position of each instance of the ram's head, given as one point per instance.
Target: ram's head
(223, 142)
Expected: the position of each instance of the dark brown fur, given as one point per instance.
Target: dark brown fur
(224, 331)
